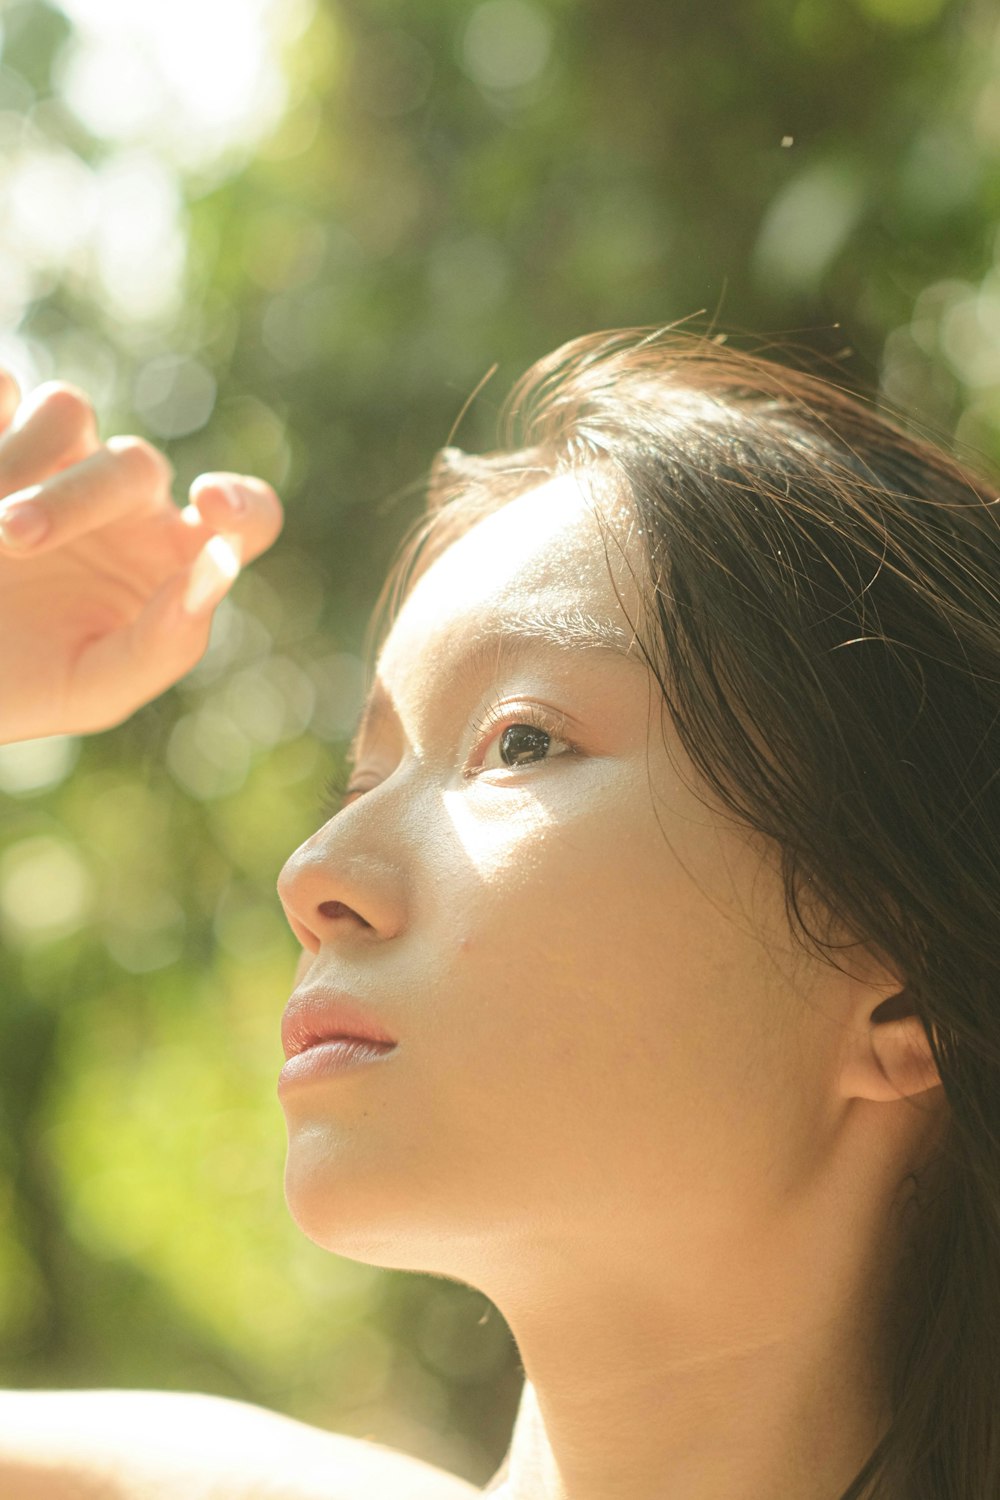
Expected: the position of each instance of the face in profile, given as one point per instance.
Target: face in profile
(607, 1043)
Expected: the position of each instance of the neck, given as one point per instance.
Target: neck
(775, 1383)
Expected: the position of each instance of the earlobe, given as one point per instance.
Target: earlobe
(895, 1060)
(889, 1056)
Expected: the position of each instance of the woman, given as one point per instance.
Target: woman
(667, 876)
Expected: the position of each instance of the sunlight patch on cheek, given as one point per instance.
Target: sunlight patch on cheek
(491, 841)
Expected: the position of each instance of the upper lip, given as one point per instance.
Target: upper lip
(320, 1015)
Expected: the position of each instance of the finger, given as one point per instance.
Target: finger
(241, 505)
(10, 396)
(128, 476)
(120, 672)
(53, 428)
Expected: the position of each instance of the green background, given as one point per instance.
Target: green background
(415, 193)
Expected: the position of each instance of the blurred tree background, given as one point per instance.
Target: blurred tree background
(289, 237)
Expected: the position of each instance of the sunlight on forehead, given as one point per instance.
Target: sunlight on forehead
(510, 582)
(533, 574)
(510, 547)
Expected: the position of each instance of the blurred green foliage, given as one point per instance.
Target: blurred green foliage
(290, 239)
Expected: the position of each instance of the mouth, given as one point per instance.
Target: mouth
(315, 1016)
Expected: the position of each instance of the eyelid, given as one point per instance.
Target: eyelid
(339, 795)
(551, 721)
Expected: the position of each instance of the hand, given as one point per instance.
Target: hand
(107, 588)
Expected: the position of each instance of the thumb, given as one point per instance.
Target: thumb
(131, 666)
(174, 626)
(210, 576)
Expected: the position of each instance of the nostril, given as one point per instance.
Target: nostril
(339, 909)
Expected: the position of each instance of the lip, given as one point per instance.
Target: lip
(317, 1015)
(325, 1061)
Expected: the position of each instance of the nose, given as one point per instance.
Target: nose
(327, 898)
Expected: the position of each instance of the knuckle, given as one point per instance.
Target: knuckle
(66, 405)
(267, 500)
(262, 488)
(144, 464)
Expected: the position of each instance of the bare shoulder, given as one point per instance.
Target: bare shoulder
(156, 1445)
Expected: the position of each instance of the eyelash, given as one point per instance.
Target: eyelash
(338, 791)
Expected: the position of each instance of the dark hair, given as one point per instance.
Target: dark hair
(822, 616)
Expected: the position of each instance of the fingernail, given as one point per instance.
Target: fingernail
(217, 565)
(22, 526)
(236, 497)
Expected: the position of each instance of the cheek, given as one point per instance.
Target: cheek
(538, 880)
(612, 990)
(559, 965)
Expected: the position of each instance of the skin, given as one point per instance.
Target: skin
(159, 1445)
(666, 1142)
(109, 599)
(623, 1104)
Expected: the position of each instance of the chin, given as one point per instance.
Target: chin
(395, 1220)
(356, 1213)
(335, 1220)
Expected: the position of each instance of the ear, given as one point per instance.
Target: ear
(889, 1056)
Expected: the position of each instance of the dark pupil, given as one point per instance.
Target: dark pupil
(521, 740)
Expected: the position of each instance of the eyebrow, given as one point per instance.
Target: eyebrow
(500, 642)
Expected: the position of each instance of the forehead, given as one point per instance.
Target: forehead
(552, 546)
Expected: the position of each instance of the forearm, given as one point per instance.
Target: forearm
(155, 1445)
(31, 1479)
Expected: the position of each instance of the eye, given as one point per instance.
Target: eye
(526, 733)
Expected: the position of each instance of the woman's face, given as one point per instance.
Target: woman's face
(607, 1042)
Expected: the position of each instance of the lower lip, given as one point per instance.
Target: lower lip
(327, 1059)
